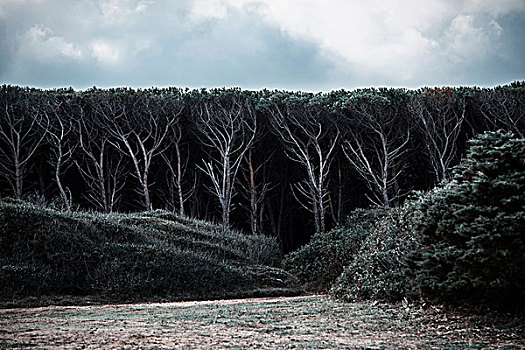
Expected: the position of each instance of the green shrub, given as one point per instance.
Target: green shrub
(462, 242)
(130, 256)
(379, 270)
(473, 228)
(322, 260)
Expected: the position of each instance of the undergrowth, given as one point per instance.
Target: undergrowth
(131, 256)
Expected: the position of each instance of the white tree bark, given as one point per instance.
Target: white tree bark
(376, 151)
(308, 142)
(100, 165)
(228, 129)
(177, 194)
(21, 134)
(58, 128)
(440, 117)
(255, 187)
(141, 133)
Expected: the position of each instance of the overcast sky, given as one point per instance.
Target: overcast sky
(313, 45)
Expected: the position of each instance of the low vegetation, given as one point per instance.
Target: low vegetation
(320, 262)
(460, 243)
(379, 269)
(121, 257)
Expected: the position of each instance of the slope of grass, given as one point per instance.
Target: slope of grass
(140, 256)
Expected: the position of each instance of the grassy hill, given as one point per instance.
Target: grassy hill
(156, 255)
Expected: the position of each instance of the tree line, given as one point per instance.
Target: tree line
(276, 162)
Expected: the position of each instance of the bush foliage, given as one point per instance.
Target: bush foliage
(379, 268)
(324, 258)
(473, 228)
(462, 242)
(131, 256)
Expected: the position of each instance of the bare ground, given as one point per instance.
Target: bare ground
(311, 322)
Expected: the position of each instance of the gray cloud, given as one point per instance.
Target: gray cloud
(259, 43)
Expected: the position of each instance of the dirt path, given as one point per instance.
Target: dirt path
(312, 322)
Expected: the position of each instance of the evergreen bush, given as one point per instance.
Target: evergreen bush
(473, 228)
(379, 270)
(323, 259)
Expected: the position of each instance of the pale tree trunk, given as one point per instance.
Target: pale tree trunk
(179, 181)
(58, 171)
(21, 135)
(439, 116)
(336, 210)
(19, 176)
(253, 195)
(142, 134)
(227, 128)
(141, 172)
(310, 143)
(178, 195)
(100, 168)
(255, 190)
(227, 190)
(376, 151)
(59, 128)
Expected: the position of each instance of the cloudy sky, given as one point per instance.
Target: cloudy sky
(313, 45)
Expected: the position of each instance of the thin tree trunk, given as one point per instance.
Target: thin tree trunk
(18, 180)
(253, 195)
(179, 180)
(58, 166)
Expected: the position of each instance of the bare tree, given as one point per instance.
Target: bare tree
(255, 187)
(140, 126)
(309, 142)
(21, 134)
(439, 115)
(100, 165)
(227, 126)
(503, 107)
(375, 146)
(58, 128)
(177, 163)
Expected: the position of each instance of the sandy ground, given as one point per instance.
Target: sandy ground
(311, 322)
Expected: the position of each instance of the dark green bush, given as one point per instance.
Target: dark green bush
(463, 242)
(379, 270)
(130, 256)
(322, 260)
(473, 228)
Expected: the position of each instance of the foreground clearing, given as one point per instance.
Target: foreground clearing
(267, 323)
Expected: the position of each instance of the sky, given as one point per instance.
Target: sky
(309, 45)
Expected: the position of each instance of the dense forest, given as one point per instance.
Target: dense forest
(286, 164)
